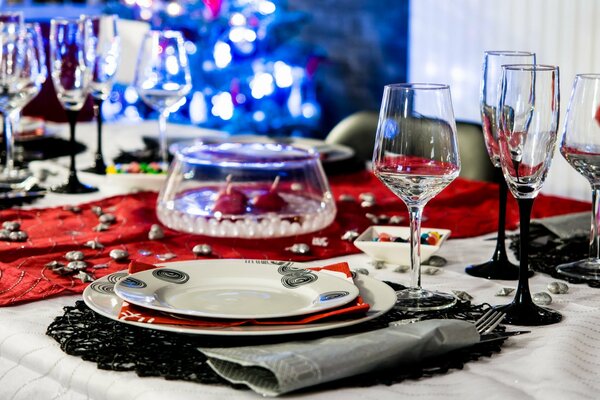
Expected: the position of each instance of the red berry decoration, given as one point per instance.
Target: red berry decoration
(385, 237)
(597, 116)
(270, 201)
(431, 240)
(230, 200)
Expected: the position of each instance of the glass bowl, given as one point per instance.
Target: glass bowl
(246, 190)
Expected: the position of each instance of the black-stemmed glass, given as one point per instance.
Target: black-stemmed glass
(71, 64)
(498, 267)
(528, 113)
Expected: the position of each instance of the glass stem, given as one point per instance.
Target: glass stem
(500, 252)
(10, 144)
(162, 135)
(72, 118)
(415, 214)
(99, 158)
(594, 237)
(523, 294)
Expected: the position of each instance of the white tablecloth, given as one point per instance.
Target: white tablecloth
(555, 362)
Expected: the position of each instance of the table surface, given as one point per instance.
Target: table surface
(553, 362)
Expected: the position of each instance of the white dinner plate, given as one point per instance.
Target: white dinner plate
(237, 289)
(100, 297)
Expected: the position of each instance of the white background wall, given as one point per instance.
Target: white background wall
(448, 38)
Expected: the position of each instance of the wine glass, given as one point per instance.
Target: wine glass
(71, 60)
(581, 148)
(107, 47)
(162, 77)
(22, 73)
(528, 112)
(499, 267)
(416, 156)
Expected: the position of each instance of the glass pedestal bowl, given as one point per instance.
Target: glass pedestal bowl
(245, 190)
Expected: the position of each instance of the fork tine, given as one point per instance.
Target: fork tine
(484, 317)
(492, 322)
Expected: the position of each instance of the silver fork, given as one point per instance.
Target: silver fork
(489, 321)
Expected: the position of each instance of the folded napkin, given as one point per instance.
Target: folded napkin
(271, 370)
(566, 226)
(130, 312)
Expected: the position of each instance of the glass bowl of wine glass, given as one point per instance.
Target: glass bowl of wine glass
(246, 190)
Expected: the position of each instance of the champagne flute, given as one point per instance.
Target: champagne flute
(416, 156)
(162, 77)
(499, 267)
(528, 112)
(22, 72)
(581, 148)
(71, 60)
(107, 47)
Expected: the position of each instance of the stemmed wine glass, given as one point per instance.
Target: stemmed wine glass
(416, 156)
(499, 267)
(528, 112)
(72, 60)
(162, 77)
(581, 148)
(22, 73)
(107, 47)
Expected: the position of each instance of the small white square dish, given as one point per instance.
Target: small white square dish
(396, 252)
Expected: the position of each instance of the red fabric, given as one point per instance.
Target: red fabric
(467, 208)
(130, 312)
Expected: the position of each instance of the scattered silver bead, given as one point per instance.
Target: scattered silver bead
(436, 261)
(156, 232)
(18, 236)
(396, 219)
(320, 241)
(101, 227)
(144, 252)
(84, 277)
(366, 204)
(202, 250)
(504, 291)
(383, 219)
(402, 268)
(370, 197)
(100, 266)
(166, 256)
(73, 209)
(74, 256)
(4, 234)
(350, 236)
(346, 197)
(373, 218)
(54, 264)
(362, 271)
(378, 264)
(461, 295)
(558, 287)
(299, 248)
(94, 245)
(118, 254)
(296, 187)
(107, 219)
(542, 298)
(97, 210)
(11, 226)
(430, 270)
(76, 265)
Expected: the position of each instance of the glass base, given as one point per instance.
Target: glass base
(496, 269)
(588, 269)
(423, 300)
(74, 187)
(14, 176)
(528, 314)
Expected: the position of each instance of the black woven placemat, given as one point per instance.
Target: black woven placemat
(121, 347)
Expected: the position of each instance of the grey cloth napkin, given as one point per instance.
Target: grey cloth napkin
(271, 370)
(568, 225)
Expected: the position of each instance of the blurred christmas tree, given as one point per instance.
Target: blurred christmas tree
(250, 73)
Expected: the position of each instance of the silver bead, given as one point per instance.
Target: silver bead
(320, 241)
(118, 254)
(505, 291)
(166, 256)
(100, 266)
(402, 268)
(350, 235)
(94, 244)
(73, 209)
(299, 248)
(101, 227)
(74, 256)
(396, 219)
(373, 218)
(54, 264)
(11, 226)
(370, 197)
(18, 236)
(107, 219)
(430, 270)
(76, 265)
(97, 210)
(156, 232)
(4, 234)
(84, 277)
(202, 250)
(366, 204)
(558, 287)
(461, 295)
(346, 197)
(436, 261)
(378, 264)
(542, 298)
(296, 187)
(144, 252)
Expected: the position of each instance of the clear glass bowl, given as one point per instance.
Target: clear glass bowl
(247, 190)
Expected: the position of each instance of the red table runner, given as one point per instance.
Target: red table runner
(468, 208)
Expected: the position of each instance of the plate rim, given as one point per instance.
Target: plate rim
(372, 290)
(148, 276)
